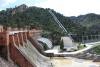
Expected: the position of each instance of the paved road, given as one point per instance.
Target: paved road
(88, 46)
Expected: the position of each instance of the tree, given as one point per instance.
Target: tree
(61, 45)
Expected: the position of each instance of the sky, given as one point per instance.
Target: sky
(65, 7)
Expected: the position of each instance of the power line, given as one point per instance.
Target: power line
(60, 25)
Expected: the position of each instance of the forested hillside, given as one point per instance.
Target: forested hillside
(90, 21)
(23, 16)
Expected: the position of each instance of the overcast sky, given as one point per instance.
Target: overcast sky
(65, 7)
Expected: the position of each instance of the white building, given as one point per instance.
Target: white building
(69, 45)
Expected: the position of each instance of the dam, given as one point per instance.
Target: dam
(21, 48)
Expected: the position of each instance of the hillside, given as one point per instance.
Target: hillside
(91, 21)
(23, 16)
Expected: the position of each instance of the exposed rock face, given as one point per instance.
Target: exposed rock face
(4, 63)
(20, 8)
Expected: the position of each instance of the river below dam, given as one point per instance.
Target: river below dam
(73, 62)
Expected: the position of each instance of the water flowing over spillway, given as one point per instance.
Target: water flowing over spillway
(33, 56)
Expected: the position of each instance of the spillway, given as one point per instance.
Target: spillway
(33, 56)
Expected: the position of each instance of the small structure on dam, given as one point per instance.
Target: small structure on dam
(45, 42)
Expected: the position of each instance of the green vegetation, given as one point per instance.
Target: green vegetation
(81, 46)
(38, 17)
(61, 45)
(97, 50)
(90, 21)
